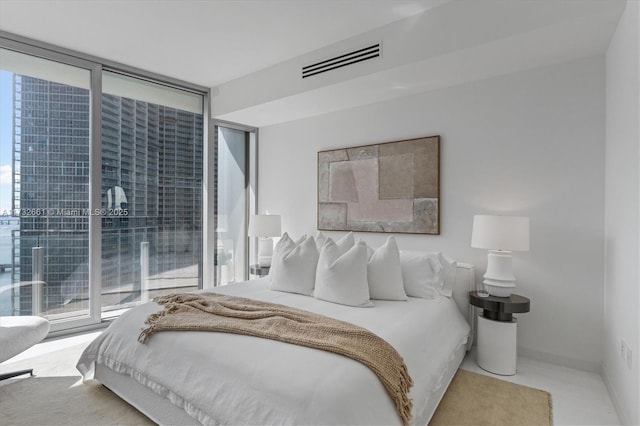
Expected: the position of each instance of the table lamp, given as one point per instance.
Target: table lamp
(264, 226)
(500, 235)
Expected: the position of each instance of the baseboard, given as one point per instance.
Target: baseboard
(615, 399)
(578, 364)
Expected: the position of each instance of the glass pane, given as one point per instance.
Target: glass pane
(44, 187)
(231, 206)
(152, 168)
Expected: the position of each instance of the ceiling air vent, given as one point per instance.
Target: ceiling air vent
(350, 58)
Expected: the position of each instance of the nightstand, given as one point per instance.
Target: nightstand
(497, 331)
(258, 270)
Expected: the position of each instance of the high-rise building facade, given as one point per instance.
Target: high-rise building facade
(152, 168)
(152, 155)
(51, 156)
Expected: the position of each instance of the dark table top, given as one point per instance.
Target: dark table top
(508, 305)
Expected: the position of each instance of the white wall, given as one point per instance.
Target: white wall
(529, 143)
(622, 215)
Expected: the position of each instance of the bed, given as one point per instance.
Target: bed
(219, 378)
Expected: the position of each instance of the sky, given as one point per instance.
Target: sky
(6, 116)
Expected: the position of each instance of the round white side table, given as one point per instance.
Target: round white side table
(498, 331)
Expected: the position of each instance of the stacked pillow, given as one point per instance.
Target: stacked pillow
(350, 273)
(384, 272)
(427, 274)
(293, 265)
(450, 268)
(341, 276)
(344, 243)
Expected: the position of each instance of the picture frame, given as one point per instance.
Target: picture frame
(389, 187)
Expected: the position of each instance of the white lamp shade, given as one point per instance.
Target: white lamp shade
(508, 233)
(264, 225)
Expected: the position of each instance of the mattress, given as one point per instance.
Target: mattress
(218, 378)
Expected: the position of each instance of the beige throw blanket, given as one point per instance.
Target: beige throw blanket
(229, 314)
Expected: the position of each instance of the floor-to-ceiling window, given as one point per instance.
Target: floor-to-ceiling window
(101, 186)
(152, 171)
(45, 132)
(232, 199)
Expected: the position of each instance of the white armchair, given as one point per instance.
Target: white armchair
(17, 334)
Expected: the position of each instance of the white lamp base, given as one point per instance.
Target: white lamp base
(265, 251)
(499, 279)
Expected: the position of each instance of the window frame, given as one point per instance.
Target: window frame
(251, 187)
(96, 66)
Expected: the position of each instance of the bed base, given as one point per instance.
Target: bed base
(438, 393)
(149, 403)
(156, 408)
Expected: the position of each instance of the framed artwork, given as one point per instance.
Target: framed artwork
(387, 187)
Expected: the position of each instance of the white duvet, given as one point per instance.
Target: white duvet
(220, 378)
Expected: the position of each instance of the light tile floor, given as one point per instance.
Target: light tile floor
(51, 345)
(578, 397)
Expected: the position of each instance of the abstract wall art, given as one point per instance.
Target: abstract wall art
(386, 187)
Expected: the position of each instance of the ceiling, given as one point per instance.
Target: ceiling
(250, 51)
(206, 42)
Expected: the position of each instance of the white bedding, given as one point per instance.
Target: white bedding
(222, 378)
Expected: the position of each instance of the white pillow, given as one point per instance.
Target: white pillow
(450, 269)
(384, 272)
(428, 273)
(420, 274)
(293, 266)
(344, 243)
(342, 278)
(320, 239)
